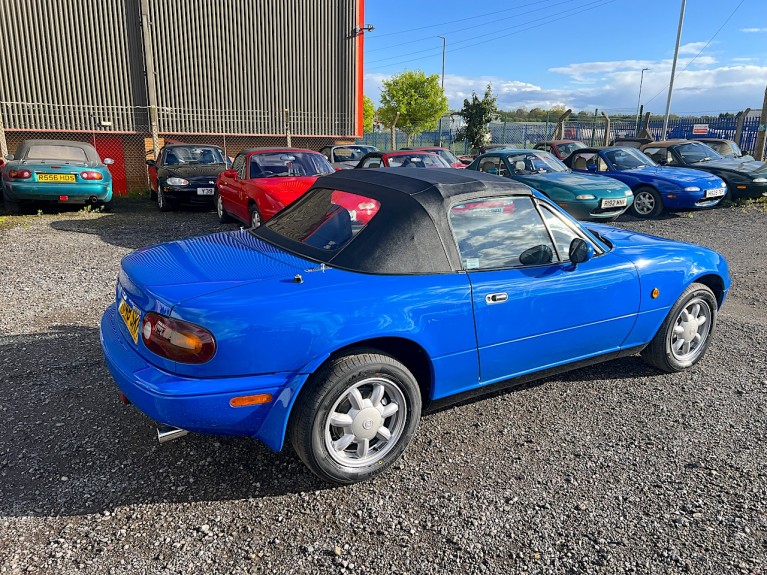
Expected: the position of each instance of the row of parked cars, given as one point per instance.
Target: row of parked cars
(592, 183)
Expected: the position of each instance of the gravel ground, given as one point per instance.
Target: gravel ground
(609, 469)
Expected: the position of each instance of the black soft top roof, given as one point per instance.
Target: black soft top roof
(411, 233)
(90, 152)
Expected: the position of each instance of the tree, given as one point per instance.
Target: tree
(477, 114)
(417, 98)
(368, 113)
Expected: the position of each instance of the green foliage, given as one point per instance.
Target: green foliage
(417, 98)
(477, 114)
(368, 113)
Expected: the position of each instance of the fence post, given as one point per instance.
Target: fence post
(607, 129)
(3, 142)
(759, 152)
(594, 126)
(287, 126)
(150, 76)
(740, 118)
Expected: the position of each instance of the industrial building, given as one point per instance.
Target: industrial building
(127, 75)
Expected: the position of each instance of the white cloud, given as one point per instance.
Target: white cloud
(706, 86)
(691, 48)
(753, 30)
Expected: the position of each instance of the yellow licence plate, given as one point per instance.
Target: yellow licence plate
(57, 178)
(130, 316)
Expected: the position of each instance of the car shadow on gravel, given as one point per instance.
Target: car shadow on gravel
(136, 223)
(69, 447)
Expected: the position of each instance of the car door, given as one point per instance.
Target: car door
(231, 190)
(152, 170)
(533, 309)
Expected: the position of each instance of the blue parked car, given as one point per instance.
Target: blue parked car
(55, 171)
(335, 334)
(656, 188)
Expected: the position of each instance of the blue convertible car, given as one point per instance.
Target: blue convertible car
(655, 187)
(335, 334)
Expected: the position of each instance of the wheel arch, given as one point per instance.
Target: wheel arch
(715, 283)
(412, 355)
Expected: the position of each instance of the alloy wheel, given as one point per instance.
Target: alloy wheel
(691, 330)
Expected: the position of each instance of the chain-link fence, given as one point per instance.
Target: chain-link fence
(593, 133)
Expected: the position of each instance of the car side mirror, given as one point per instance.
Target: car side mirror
(151, 163)
(661, 161)
(591, 167)
(580, 251)
(10, 157)
(230, 174)
(108, 161)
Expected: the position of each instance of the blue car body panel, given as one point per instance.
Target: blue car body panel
(277, 317)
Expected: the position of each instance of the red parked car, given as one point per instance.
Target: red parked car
(443, 153)
(402, 159)
(560, 148)
(263, 181)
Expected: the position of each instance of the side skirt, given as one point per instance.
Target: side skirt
(445, 402)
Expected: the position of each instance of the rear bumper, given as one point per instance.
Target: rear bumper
(194, 404)
(74, 193)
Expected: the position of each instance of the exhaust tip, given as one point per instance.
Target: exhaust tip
(166, 433)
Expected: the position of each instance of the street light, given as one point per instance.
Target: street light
(444, 43)
(673, 71)
(639, 102)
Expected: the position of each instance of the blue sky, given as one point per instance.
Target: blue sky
(582, 54)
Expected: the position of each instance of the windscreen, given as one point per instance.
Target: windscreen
(628, 159)
(285, 164)
(535, 163)
(696, 152)
(568, 148)
(183, 155)
(56, 153)
(425, 160)
(350, 153)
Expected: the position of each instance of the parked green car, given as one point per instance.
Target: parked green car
(55, 171)
(583, 196)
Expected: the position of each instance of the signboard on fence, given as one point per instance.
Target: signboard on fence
(699, 129)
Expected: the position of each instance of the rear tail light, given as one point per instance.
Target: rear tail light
(177, 340)
(20, 174)
(91, 175)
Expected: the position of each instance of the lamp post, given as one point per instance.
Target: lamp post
(673, 71)
(444, 43)
(639, 101)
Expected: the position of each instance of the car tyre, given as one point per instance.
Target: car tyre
(686, 332)
(223, 215)
(255, 217)
(355, 417)
(107, 206)
(163, 202)
(152, 195)
(647, 203)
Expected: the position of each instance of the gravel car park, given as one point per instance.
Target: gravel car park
(614, 468)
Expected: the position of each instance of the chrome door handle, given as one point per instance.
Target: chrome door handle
(492, 298)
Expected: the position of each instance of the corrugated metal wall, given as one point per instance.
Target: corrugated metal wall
(71, 64)
(222, 66)
(234, 66)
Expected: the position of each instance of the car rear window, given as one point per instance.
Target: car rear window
(57, 153)
(325, 219)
